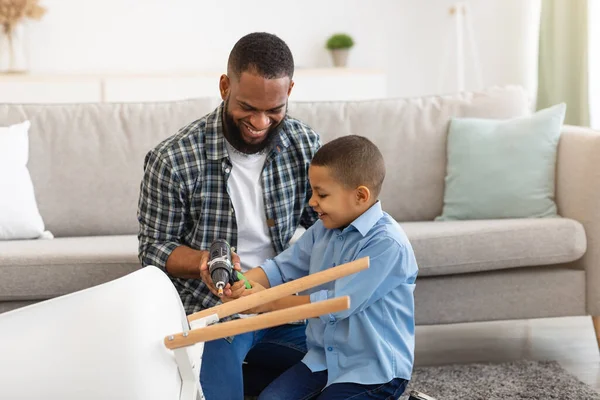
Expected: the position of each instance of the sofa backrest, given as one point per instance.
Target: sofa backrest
(411, 134)
(86, 159)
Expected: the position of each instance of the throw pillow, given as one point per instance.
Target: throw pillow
(19, 215)
(502, 168)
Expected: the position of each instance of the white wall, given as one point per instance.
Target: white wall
(505, 35)
(406, 38)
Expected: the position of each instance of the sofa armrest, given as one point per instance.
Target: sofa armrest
(578, 197)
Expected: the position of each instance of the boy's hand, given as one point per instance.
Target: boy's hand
(256, 287)
(237, 290)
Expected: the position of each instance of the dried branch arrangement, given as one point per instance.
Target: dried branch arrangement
(12, 12)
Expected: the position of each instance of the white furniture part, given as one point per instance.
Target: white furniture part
(130, 338)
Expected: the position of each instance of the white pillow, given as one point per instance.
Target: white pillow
(19, 214)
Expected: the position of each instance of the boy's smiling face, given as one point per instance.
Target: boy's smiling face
(336, 204)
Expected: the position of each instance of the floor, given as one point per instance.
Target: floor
(570, 341)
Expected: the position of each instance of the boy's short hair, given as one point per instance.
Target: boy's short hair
(354, 161)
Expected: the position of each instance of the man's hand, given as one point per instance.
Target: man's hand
(205, 274)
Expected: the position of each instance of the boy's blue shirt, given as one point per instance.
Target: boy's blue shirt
(373, 341)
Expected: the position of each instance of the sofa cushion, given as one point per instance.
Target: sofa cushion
(411, 134)
(42, 269)
(453, 247)
(502, 169)
(19, 214)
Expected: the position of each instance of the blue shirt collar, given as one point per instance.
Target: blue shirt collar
(368, 219)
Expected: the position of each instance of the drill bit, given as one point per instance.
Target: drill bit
(220, 286)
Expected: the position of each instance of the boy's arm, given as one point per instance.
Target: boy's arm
(258, 275)
(289, 301)
(390, 266)
(293, 263)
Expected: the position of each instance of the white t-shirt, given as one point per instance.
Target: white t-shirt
(245, 190)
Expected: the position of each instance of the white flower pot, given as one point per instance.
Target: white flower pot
(339, 57)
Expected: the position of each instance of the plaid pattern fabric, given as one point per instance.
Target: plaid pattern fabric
(184, 200)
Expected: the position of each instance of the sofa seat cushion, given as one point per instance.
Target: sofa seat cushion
(454, 247)
(43, 269)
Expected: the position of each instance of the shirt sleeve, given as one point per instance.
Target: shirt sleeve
(389, 263)
(309, 216)
(160, 212)
(292, 263)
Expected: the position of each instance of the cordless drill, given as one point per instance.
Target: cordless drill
(221, 268)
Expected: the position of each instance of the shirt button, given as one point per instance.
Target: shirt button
(227, 170)
(232, 248)
(330, 349)
(340, 237)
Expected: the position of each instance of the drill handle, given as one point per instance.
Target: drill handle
(238, 276)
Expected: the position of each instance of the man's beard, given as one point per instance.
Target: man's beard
(234, 136)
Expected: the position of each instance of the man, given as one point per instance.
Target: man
(239, 173)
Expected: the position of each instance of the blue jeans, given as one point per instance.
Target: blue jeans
(300, 383)
(268, 353)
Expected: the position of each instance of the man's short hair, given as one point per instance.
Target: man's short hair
(262, 53)
(354, 161)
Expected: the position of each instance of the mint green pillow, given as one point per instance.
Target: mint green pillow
(502, 168)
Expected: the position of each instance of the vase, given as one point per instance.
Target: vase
(339, 57)
(13, 51)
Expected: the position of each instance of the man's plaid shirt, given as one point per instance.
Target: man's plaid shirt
(184, 200)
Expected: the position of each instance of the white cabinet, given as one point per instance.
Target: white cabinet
(338, 84)
(330, 84)
(22, 89)
(159, 88)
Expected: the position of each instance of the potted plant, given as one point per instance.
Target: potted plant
(339, 45)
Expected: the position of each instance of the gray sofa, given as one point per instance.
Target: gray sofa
(86, 165)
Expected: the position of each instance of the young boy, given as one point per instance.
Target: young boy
(366, 351)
